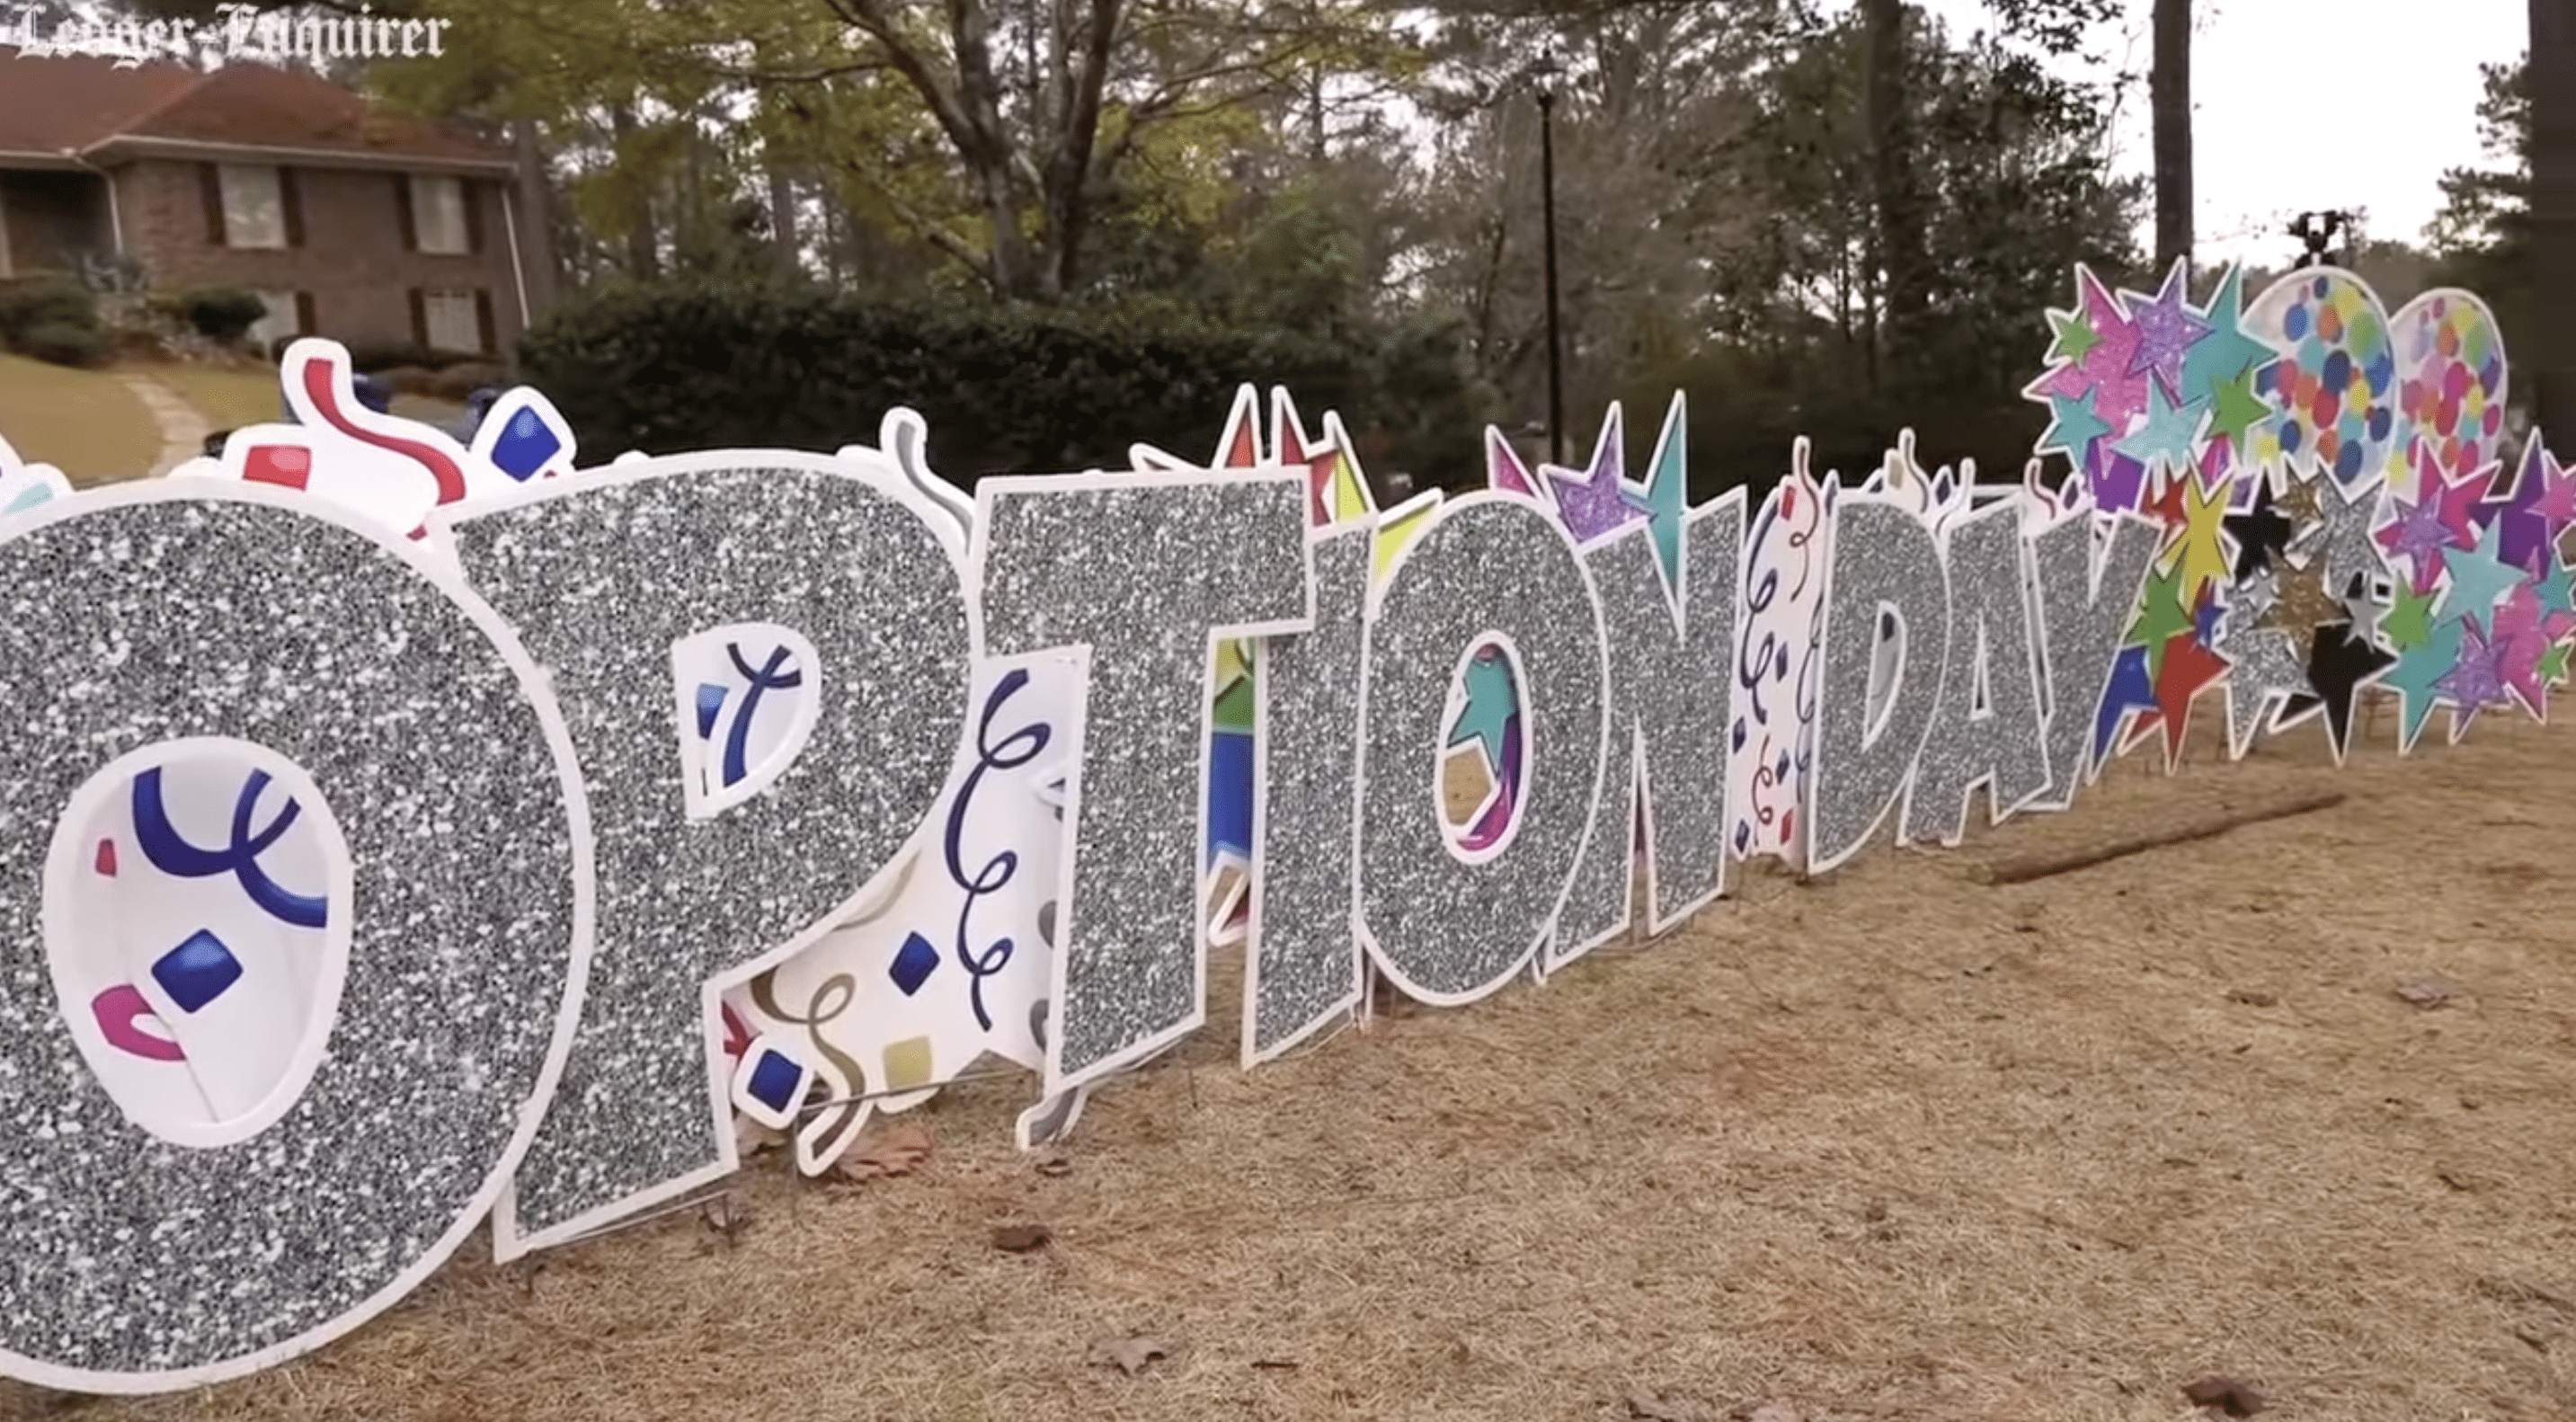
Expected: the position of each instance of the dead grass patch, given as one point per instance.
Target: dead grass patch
(1893, 1145)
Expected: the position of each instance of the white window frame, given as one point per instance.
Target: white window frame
(438, 222)
(465, 314)
(238, 181)
(281, 321)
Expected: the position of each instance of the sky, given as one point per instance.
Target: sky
(2303, 105)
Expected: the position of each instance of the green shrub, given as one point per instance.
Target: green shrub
(48, 299)
(1005, 389)
(223, 314)
(64, 344)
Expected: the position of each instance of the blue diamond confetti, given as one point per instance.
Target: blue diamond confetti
(525, 445)
(777, 1081)
(711, 699)
(913, 964)
(197, 971)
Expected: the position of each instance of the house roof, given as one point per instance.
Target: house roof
(83, 107)
(54, 107)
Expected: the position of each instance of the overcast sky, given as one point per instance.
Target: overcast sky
(2313, 104)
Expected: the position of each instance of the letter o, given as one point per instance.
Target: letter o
(169, 611)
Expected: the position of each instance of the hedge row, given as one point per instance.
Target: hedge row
(1005, 389)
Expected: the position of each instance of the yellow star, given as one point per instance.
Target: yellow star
(1397, 526)
(2202, 549)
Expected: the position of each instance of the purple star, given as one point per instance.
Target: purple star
(2167, 330)
(2525, 530)
(1598, 503)
(2475, 680)
(2418, 535)
(2115, 480)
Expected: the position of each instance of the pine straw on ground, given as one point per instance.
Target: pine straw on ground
(1892, 1145)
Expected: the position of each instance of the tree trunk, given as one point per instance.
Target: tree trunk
(642, 259)
(2553, 213)
(2169, 100)
(1899, 194)
(540, 262)
(782, 216)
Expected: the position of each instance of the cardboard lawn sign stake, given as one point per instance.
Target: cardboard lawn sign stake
(1140, 575)
(604, 575)
(318, 794)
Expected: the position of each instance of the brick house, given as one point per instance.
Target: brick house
(358, 225)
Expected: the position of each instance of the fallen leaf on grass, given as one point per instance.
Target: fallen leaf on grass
(1021, 1239)
(1647, 1406)
(2229, 1396)
(2424, 992)
(1130, 1354)
(899, 1151)
(750, 1138)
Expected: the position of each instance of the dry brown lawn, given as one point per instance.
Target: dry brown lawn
(1892, 1145)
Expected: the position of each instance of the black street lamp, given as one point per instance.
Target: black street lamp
(1544, 74)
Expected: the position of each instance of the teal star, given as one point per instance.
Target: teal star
(2480, 578)
(1668, 494)
(2414, 675)
(2072, 429)
(2227, 350)
(1491, 703)
(2557, 591)
(2168, 433)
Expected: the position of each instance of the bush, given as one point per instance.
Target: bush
(64, 344)
(223, 314)
(46, 300)
(1005, 389)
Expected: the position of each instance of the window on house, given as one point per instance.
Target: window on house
(282, 320)
(450, 321)
(438, 215)
(254, 202)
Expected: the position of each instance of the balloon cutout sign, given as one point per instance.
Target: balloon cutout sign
(569, 814)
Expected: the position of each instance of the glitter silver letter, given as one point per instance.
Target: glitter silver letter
(1146, 571)
(1304, 965)
(2084, 590)
(1444, 930)
(185, 610)
(1987, 729)
(1883, 564)
(604, 574)
(1672, 679)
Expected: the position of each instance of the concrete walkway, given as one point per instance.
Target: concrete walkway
(183, 428)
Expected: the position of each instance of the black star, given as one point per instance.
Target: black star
(2261, 533)
(2340, 664)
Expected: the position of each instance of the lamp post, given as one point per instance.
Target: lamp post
(1544, 75)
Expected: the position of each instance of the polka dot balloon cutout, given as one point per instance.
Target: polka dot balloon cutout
(2334, 393)
(2451, 382)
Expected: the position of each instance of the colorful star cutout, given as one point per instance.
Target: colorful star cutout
(1598, 503)
(1491, 705)
(2167, 328)
(2167, 435)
